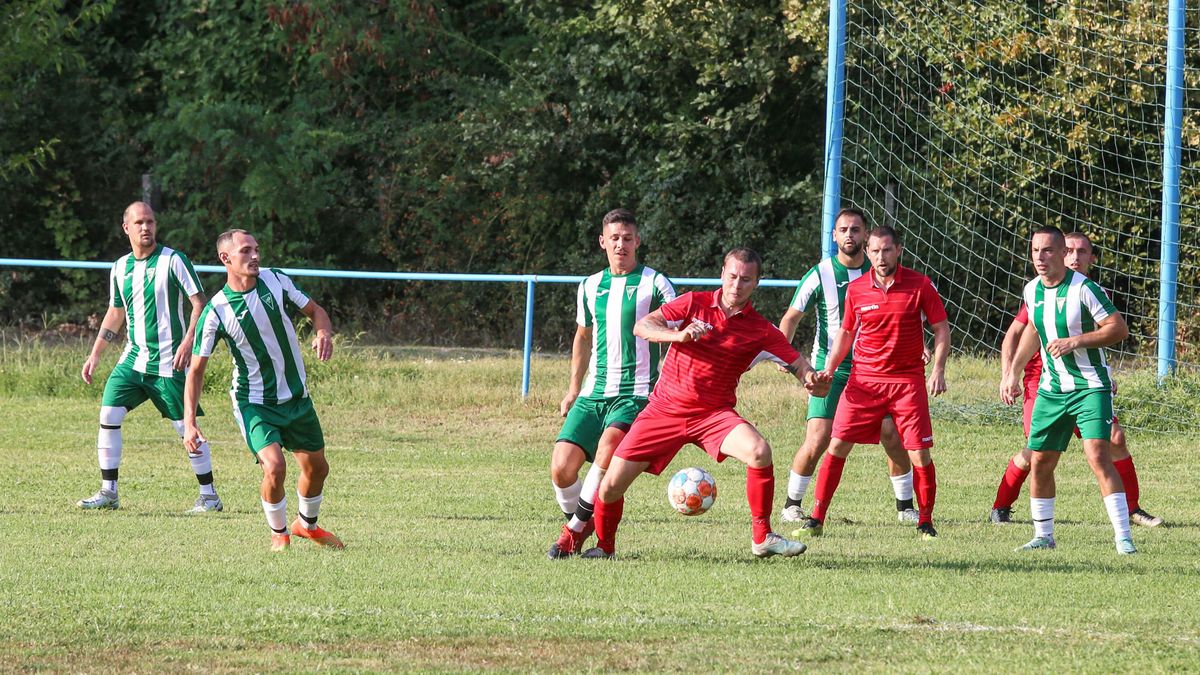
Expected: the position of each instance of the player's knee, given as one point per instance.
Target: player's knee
(112, 416)
(1022, 462)
(759, 453)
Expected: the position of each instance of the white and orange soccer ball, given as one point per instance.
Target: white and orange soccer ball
(692, 491)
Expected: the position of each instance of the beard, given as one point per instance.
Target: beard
(850, 248)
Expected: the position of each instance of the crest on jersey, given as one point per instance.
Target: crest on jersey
(1062, 302)
(629, 292)
(268, 301)
(150, 274)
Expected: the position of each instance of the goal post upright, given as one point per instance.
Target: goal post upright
(1172, 159)
(835, 93)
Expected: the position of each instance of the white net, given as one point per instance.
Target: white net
(970, 122)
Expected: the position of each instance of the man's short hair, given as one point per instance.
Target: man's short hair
(620, 216)
(1057, 234)
(1080, 235)
(125, 215)
(745, 255)
(227, 236)
(852, 211)
(882, 231)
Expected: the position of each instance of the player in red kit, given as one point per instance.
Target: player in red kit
(715, 336)
(883, 319)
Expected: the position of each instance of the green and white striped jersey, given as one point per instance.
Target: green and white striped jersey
(154, 293)
(621, 364)
(822, 290)
(1074, 307)
(257, 326)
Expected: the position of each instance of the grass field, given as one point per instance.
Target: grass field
(439, 487)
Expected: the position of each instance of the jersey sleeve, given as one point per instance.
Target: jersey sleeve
(114, 291)
(931, 304)
(664, 291)
(777, 346)
(1022, 316)
(207, 333)
(291, 292)
(1096, 300)
(184, 274)
(806, 291)
(583, 314)
(678, 309)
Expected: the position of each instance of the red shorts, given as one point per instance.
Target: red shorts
(658, 435)
(864, 405)
(1031, 389)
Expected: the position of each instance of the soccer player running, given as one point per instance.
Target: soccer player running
(718, 337)
(148, 288)
(621, 370)
(1073, 321)
(1081, 255)
(253, 315)
(883, 320)
(823, 288)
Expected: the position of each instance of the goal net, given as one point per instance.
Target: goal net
(970, 122)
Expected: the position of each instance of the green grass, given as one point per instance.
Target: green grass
(440, 489)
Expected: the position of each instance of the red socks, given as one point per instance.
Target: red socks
(925, 487)
(607, 516)
(1129, 477)
(1010, 486)
(760, 492)
(828, 476)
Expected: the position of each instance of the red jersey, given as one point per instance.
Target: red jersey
(1033, 369)
(703, 375)
(889, 338)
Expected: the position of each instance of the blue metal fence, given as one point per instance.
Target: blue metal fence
(530, 281)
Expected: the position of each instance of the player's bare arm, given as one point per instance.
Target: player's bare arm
(936, 384)
(183, 355)
(1008, 348)
(788, 324)
(322, 342)
(192, 387)
(841, 347)
(1108, 332)
(1010, 384)
(581, 351)
(653, 328)
(110, 331)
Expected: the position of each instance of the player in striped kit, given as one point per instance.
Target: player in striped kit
(1081, 254)
(155, 290)
(1073, 321)
(620, 368)
(822, 291)
(253, 315)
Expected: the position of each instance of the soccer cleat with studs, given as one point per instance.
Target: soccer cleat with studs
(207, 503)
(1140, 517)
(792, 514)
(316, 535)
(1125, 546)
(908, 515)
(926, 531)
(570, 542)
(280, 541)
(1038, 544)
(103, 499)
(596, 553)
(811, 527)
(1000, 516)
(774, 544)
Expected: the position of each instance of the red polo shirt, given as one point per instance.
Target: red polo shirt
(889, 338)
(703, 375)
(1033, 369)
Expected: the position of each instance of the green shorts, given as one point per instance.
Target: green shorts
(1055, 417)
(824, 407)
(127, 388)
(293, 425)
(591, 415)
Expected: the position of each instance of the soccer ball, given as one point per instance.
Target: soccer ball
(692, 491)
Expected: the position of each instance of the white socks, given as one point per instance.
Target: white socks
(587, 498)
(798, 485)
(108, 446)
(276, 515)
(1042, 512)
(1118, 513)
(201, 462)
(309, 508)
(903, 486)
(568, 497)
